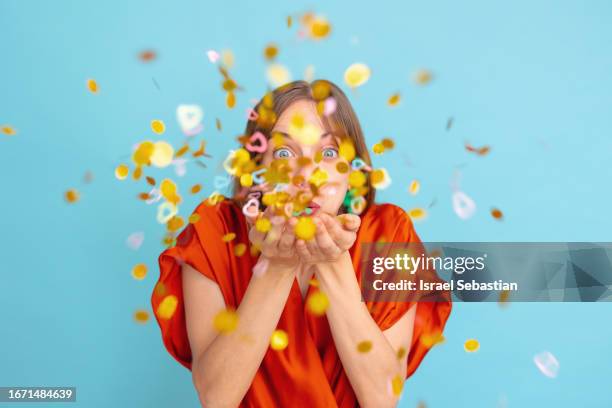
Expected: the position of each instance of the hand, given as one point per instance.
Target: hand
(278, 244)
(333, 238)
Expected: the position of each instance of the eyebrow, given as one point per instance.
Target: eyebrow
(288, 136)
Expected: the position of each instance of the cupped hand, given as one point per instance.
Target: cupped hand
(277, 244)
(334, 236)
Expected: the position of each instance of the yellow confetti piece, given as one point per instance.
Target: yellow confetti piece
(165, 211)
(380, 179)
(230, 236)
(158, 126)
(394, 99)
(317, 303)
(388, 143)
(471, 345)
(194, 218)
(230, 100)
(122, 171)
(364, 346)
(167, 307)
(318, 177)
(401, 352)
(417, 214)
(356, 75)
(142, 155)
(270, 52)
(8, 130)
(175, 223)
(92, 85)
(141, 316)
(378, 148)
(423, 77)
(414, 187)
(246, 180)
(169, 191)
(72, 196)
(356, 178)
(397, 385)
(160, 289)
(289, 21)
(305, 228)
(342, 167)
(431, 339)
(314, 282)
(263, 225)
(346, 150)
(279, 340)
(226, 321)
(240, 249)
(278, 75)
(139, 271)
(163, 153)
(137, 173)
(319, 28)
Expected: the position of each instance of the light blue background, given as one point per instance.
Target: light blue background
(530, 78)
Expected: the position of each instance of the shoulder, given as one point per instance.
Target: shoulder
(216, 216)
(388, 213)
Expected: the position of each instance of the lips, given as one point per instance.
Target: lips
(314, 207)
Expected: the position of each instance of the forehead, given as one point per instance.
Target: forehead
(306, 109)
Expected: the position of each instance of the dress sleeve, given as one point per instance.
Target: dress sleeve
(431, 316)
(167, 296)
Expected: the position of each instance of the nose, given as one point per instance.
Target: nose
(303, 173)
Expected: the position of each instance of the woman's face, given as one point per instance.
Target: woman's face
(304, 135)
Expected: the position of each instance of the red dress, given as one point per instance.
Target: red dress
(309, 371)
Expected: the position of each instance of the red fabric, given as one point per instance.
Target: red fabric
(309, 371)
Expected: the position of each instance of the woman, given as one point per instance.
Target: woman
(266, 285)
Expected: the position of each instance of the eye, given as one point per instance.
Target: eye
(282, 153)
(330, 153)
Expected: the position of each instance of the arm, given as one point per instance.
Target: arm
(224, 364)
(369, 373)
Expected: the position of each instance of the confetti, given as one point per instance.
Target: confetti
(480, 151)
(380, 179)
(162, 154)
(279, 340)
(141, 316)
(431, 339)
(257, 143)
(414, 187)
(397, 385)
(189, 118)
(230, 100)
(8, 130)
(547, 363)
(471, 345)
(147, 55)
(504, 297)
(401, 352)
(122, 171)
(423, 77)
(135, 240)
(139, 271)
(449, 123)
(175, 223)
(356, 75)
(167, 307)
(394, 99)
(92, 85)
(463, 205)
(240, 249)
(417, 214)
(270, 52)
(72, 196)
(169, 191)
(318, 28)
(155, 196)
(251, 208)
(227, 58)
(496, 213)
(356, 178)
(142, 154)
(358, 204)
(226, 321)
(263, 225)
(165, 211)
(222, 182)
(194, 218)
(364, 346)
(317, 303)
(230, 236)
(309, 73)
(305, 228)
(213, 56)
(330, 106)
(158, 126)
(278, 75)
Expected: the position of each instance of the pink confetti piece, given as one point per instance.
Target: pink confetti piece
(251, 208)
(329, 106)
(547, 363)
(251, 114)
(179, 167)
(213, 56)
(257, 143)
(135, 240)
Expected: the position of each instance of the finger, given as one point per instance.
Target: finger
(333, 227)
(325, 242)
(350, 222)
(302, 250)
(287, 238)
(312, 246)
(272, 237)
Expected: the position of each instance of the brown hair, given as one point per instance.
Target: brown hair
(342, 121)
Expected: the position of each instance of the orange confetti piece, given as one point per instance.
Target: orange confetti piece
(8, 130)
(394, 99)
(364, 346)
(141, 316)
(481, 151)
(139, 272)
(230, 236)
(496, 213)
(195, 189)
(72, 196)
